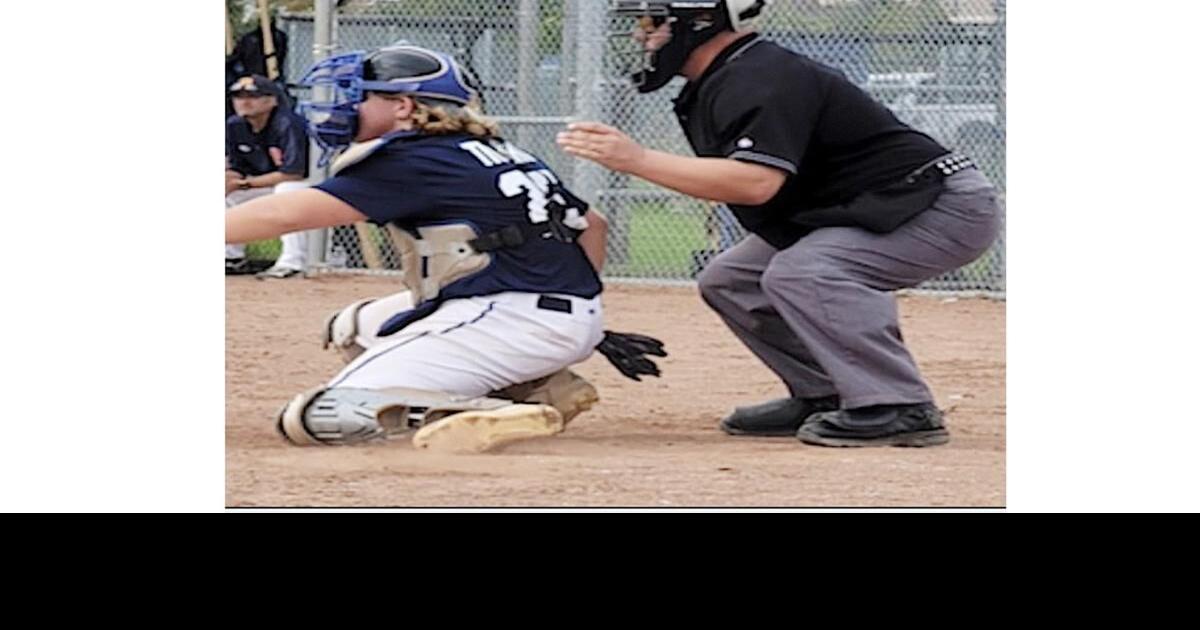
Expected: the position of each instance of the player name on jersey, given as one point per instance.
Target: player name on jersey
(496, 152)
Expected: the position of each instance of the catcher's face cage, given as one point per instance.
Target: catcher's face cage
(333, 122)
(633, 23)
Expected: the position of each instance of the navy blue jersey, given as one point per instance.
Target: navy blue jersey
(414, 180)
(282, 145)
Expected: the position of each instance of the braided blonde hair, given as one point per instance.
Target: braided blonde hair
(441, 118)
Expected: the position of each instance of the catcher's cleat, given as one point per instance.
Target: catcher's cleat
(778, 418)
(479, 431)
(882, 425)
(564, 390)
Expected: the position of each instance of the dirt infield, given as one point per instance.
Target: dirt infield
(650, 444)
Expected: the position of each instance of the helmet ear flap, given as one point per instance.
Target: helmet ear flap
(471, 82)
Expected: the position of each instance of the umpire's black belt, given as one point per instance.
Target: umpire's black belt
(884, 210)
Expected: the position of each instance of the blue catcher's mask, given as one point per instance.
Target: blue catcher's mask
(343, 81)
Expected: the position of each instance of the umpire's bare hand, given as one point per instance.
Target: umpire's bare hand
(602, 144)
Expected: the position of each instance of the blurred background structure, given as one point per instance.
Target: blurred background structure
(938, 64)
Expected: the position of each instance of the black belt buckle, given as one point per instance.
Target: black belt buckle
(550, 303)
(944, 167)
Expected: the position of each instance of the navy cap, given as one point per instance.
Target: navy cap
(253, 84)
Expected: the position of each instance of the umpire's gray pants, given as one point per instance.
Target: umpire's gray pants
(821, 313)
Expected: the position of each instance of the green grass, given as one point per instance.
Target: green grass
(264, 250)
(659, 242)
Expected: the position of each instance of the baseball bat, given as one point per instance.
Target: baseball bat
(264, 19)
(366, 244)
(228, 33)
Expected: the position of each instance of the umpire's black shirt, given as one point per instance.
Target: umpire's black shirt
(759, 102)
(250, 153)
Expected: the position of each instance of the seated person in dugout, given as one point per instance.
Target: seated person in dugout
(499, 264)
(266, 151)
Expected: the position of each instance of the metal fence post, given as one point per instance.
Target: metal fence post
(589, 89)
(999, 55)
(588, 178)
(566, 78)
(527, 53)
(322, 48)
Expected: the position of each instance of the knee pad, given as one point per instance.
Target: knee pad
(339, 416)
(341, 330)
(349, 416)
(564, 390)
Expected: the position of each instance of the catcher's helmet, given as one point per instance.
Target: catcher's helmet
(346, 79)
(692, 23)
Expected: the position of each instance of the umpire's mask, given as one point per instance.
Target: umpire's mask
(653, 38)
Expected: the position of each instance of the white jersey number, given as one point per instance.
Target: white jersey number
(538, 185)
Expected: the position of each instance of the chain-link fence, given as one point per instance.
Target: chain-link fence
(939, 64)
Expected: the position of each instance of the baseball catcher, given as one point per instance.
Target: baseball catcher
(499, 263)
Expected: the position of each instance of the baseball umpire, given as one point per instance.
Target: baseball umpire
(499, 264)
(845, 204)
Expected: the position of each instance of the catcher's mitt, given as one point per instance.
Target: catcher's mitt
(627, 352)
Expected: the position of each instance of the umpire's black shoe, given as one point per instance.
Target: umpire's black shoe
(882, 425)
(778, 418)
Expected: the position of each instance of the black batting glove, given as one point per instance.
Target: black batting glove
(627, 352)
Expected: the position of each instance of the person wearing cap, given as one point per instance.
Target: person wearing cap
(499, 288)
(266, 151)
